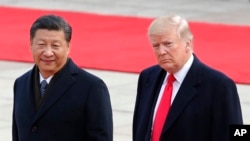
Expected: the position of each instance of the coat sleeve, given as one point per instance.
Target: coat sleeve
(226, 104)
(14, 128)
(138, 95)
(99, 114)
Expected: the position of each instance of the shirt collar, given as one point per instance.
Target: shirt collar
(47, 80)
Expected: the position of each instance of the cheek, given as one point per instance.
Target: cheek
(157, 55)
(179, 56)
(36, 52)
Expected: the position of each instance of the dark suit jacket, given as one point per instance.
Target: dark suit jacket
(204, 107)
(77, 108)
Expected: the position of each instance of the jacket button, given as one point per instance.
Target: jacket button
(34, 129)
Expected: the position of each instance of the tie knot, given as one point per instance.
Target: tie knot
(171, 78)
(44, 83)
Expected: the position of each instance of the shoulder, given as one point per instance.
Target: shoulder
(88, 78)
(23, 81)
(25, 76)
(151, 69)
(79, 73)
(151, 73)
(212, 74)
(88, 75)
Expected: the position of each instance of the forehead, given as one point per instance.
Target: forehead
(162, 27)
(46, 34)
(164, 35)
(162, 23)
(162, 30)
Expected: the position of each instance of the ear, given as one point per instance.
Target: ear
(31, 42)
(68, 48)
(188, 45)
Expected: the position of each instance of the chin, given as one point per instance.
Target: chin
(47, 69)
(167, 68)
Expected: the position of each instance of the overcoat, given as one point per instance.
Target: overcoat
(204, 107)
(76, 107)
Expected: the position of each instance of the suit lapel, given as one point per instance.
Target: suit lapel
(154, 85)
(30, 102)
(185, 94)
(62, 82)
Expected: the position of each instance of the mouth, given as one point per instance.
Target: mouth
(165, 61)
(47, 61)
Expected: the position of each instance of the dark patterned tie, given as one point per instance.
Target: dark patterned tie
(43, 87)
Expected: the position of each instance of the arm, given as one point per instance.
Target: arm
(99, 114)
(138, 95)
(14, 128)
(226, 110)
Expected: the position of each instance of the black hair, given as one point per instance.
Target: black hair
(51, 22)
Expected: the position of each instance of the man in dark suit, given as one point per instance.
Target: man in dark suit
(203, 101)
(74, 105)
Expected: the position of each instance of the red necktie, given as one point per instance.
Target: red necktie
(163, 109)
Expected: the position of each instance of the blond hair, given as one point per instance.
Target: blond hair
(161, 24)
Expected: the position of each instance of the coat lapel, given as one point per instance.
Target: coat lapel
(63, 81)
(185, 94)
(148, 95)
(30, 103)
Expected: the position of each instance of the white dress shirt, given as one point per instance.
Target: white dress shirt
(179, 76)
(47, 80)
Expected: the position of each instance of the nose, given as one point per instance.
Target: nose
(48, 51)
(162, 49)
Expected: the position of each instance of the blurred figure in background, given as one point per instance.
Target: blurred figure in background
(181, 98)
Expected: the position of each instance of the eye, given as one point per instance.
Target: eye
(155, 45)
(55, 45)
(168, 44)
(40, 45)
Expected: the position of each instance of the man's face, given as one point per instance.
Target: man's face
(49, 50)
(171, 52)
